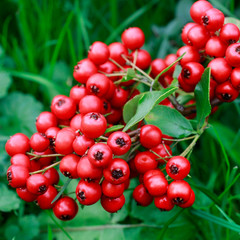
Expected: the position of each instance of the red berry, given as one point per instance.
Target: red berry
(88, 193)
(17, 176)
(45, 161)
(112, 190)
(119, 98)
(18, 143)
(213, 86)
(145, 161)
(185, 31)
(116, 51)
(90, 103)
(106, 107)
(143, 60)
(190, 201)
(93, 125)
(192, 54)
(65, 209)
(119, 142)
(150, 136)
(233, 55)
(52, 176)
(98, 53)
(44, 200)
(37, 184)
(117, 171)
(133, 38)
(226, 92)
(235, 78)
(114, 116)
(184, 86)
(151, 173)
(77, 93)
(76, 121)
(25, 195)
(109, 67)
(167, 142)
(112, 204)
(179, 192)
(163, 203)
(51, 133)
(83, 70)
(157, 66)
(81, 144)
(169, 59)
(39, 142)
(178, 168)
(21, 159)
(98, 84)
(45, 120)
(215, 47)
(68, 165)
(229, 33)
(141, 195)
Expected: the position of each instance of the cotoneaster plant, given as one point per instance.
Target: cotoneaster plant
(107, 131)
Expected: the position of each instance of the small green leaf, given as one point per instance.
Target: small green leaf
(141, 105)
(130, 75)
(170, 121)
(177, 71)
(232, 20)
(114, 128)
(5, 82)
(203, 97)
(8, 199)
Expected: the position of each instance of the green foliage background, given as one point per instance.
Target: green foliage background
(40, 42)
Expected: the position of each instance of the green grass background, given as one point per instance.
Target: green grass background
(40, 42)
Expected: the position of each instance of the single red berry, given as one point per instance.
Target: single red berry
(25, 195)
(81, 144)
(98, 53)
(65, 208)
(39, 142)
(112, 205)
(213, 19)
(35, 165)
(52, 176)
(192, 73)
(100, 155)
(169, 59)
(93, 125)
(178, 168)
(220, 69)
(184, 86)
(18, 143)
(106, 107)
(88, 193)
(68, 165)
(117, 171)
(17, 176)
(45, 120)
(157, 66)
(83, 70)
(198, 36)
(151, 173)
(21, 159)
(215, 47)
(198, 9)
(163, 203)
(86, 170)
(233, 55)
(37, 184)
(143, 58)
(63, 107)
(179, 192)
(226, 92)
(76, 121)
(133, 38)
(192, 54)
(190, 201)
(64, 140)
(145, 161)
(235, 78)
(98, 84)
(116, 51)
(112, 190)
(77, 93)
(109, 67)
(229, 33)
(119, 142)
(119, 98)
(111, 90)
(51, 134)
(114, 116)
(141, 196)
(185, 31)
(150, 136)
(44, 201)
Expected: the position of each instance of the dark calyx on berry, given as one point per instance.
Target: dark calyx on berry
(205, 20)
(121, 142)
(226, 96)
(98, 156)
(95, 89)
(9, 176)
(105, 105)
(81, 195)
(178, 200)
(186, 73)
(65, 217)
(42, 189)
(67, 174)
(238, 49)
(60, 102)
(94, 116)
(174, 169)
(117, 173)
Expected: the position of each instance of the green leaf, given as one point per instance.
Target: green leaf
(232, 20)
(5, 82)
(219, 221)
(8, 199)
(177, 71)
(137, 108)
(114, 128)
(203, 97)
(18, 113)
(130, 75)
(170, 121)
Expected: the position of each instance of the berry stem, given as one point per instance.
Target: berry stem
(190, 147)
(43, 156)
(179, 140)
(118, 65)
(45, 169)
